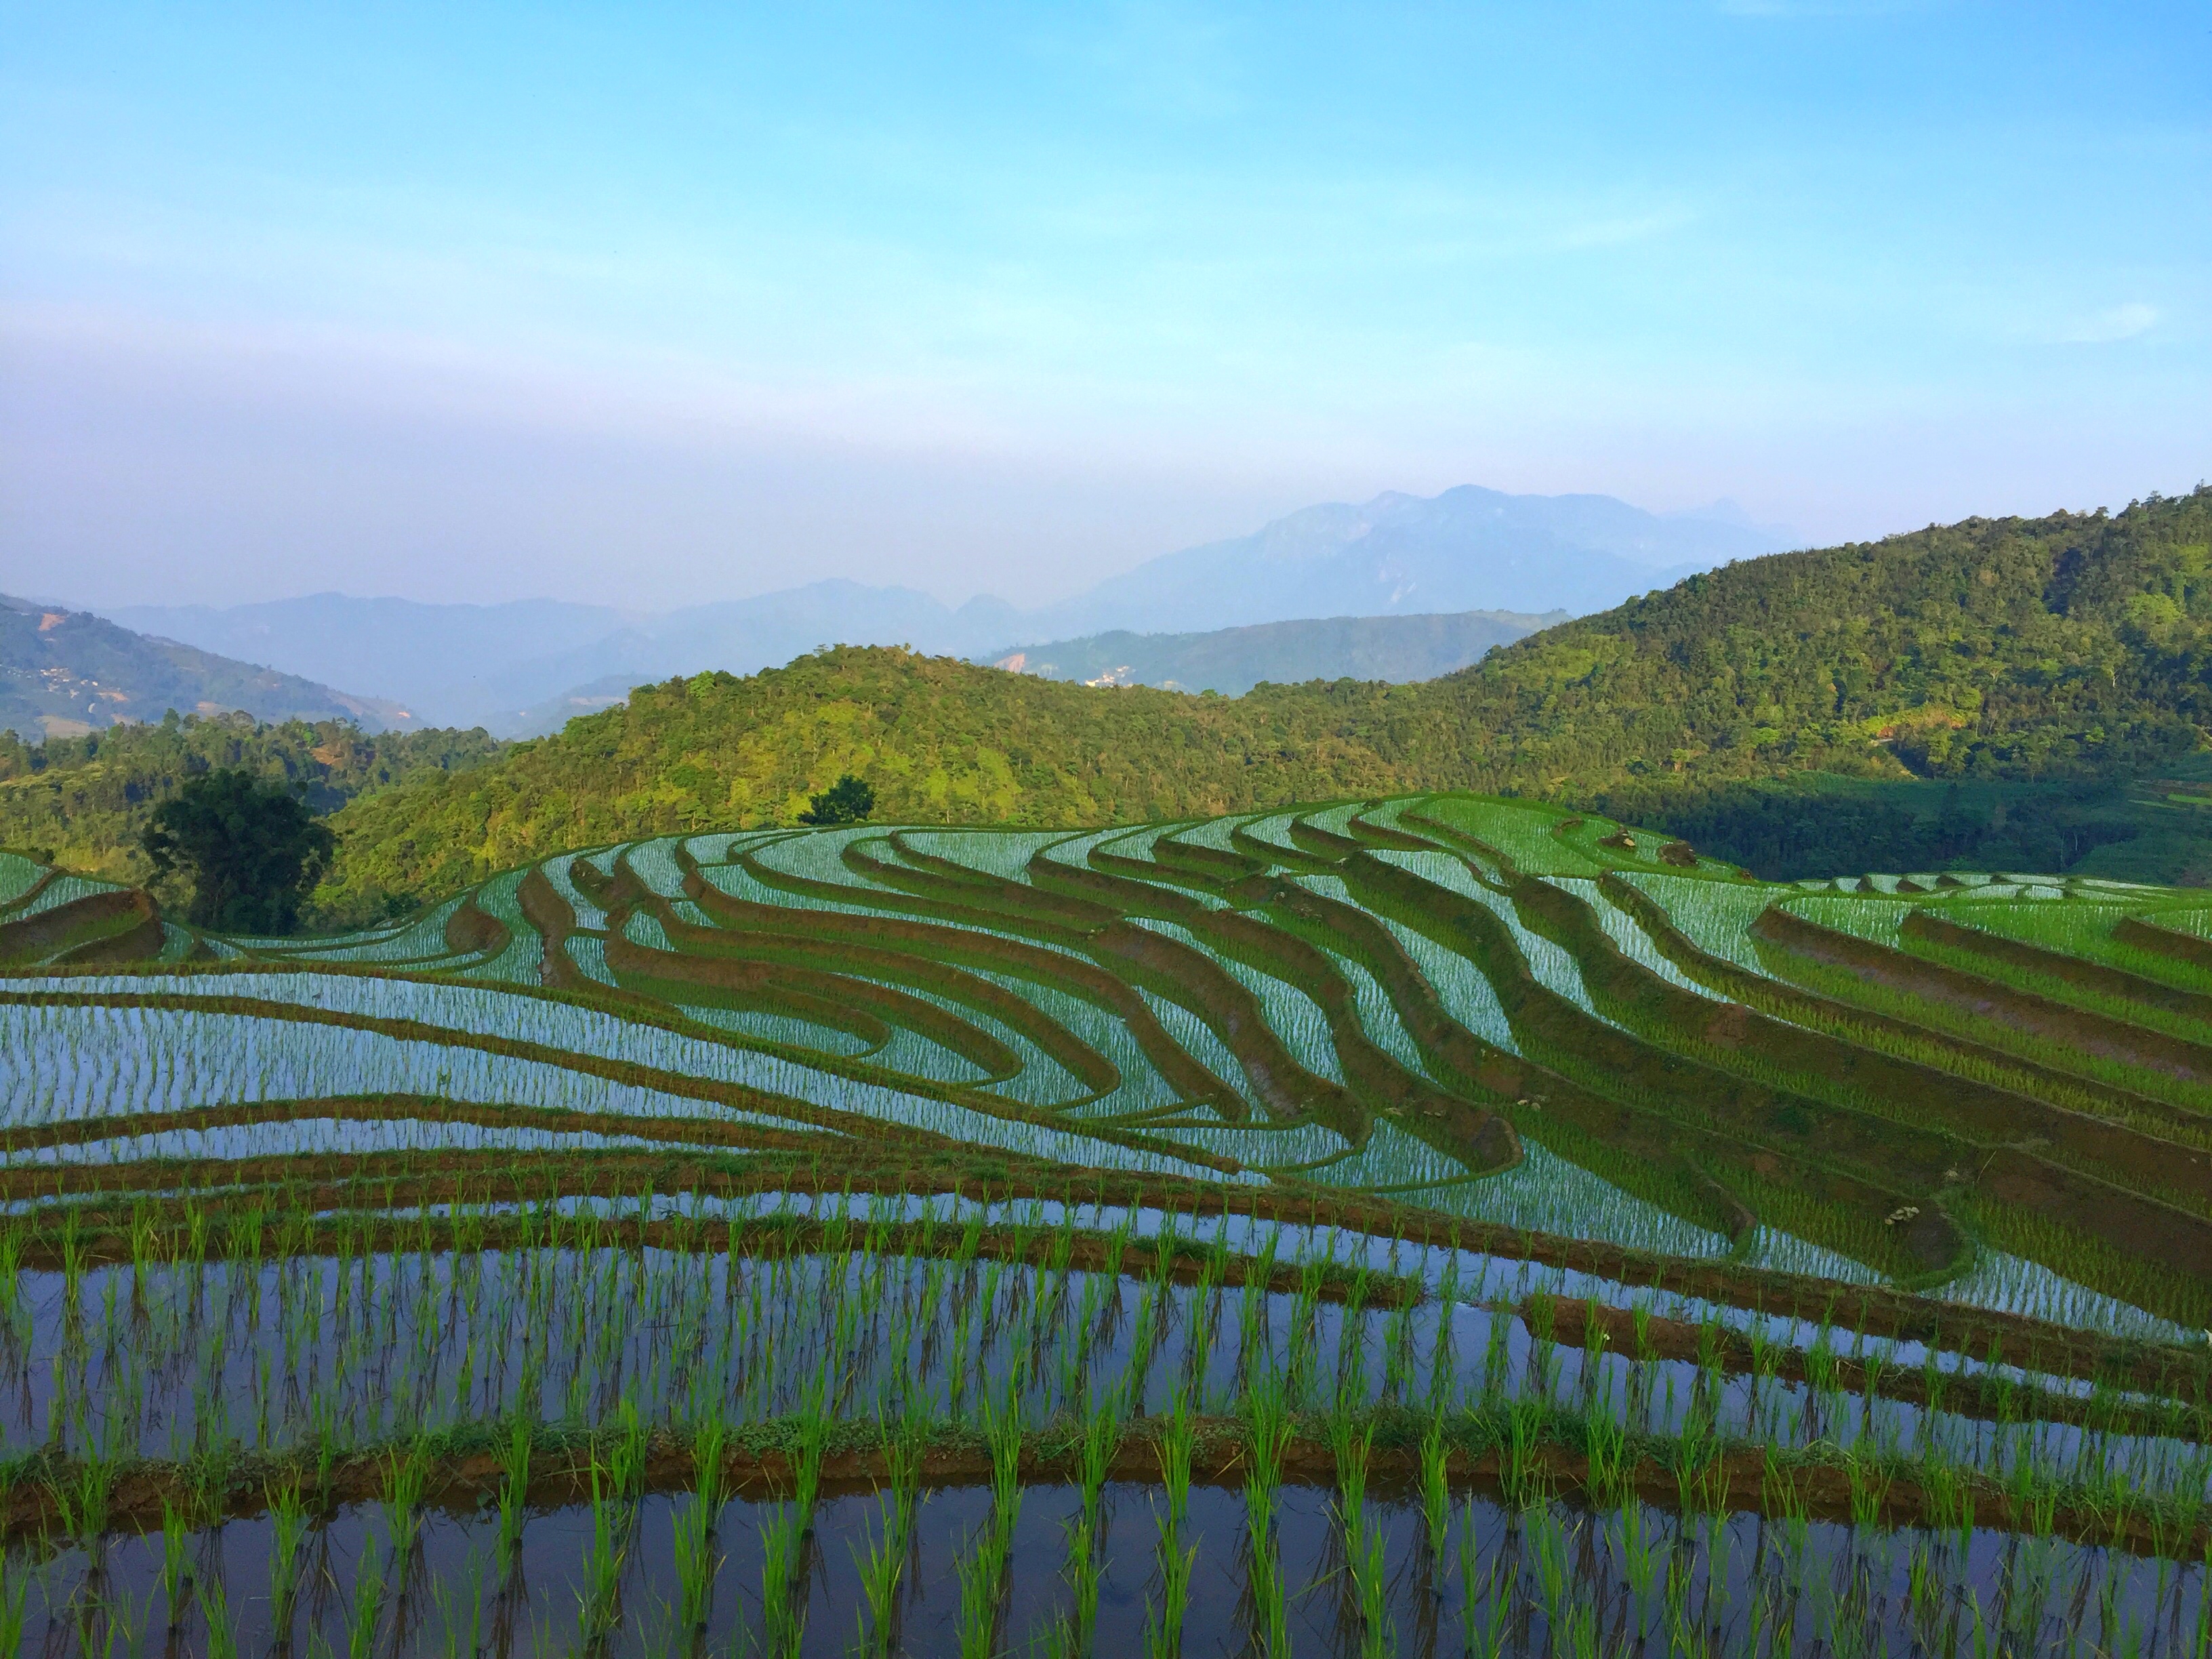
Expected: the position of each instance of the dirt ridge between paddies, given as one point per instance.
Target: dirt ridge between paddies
(1944, 927)
(1375, 1083)
(2024, 1011)
(1970, 1145)
(1626, 1092)
(121, 925)
(1682, 1475)
(104, 1233)
(1862, 1027)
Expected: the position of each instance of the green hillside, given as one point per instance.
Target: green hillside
(81, 801)
(2070, 646)
(940, 740)
(2069, 649)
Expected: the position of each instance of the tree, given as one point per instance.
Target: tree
(250, 848)
(846, 801)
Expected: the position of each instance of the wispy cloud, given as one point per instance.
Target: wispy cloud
(2120, 323)
(1625, 228)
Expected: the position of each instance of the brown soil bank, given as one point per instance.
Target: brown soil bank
(939, 942)
(123, 926)
(1827, 1486)
(473, 931)
(2092, 976)
(362, 1185)
(2190, 948)
(1963, 1059)
(2021, 1010)
(1909, 1090)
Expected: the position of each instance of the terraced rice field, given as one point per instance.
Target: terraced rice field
(1434, 1225)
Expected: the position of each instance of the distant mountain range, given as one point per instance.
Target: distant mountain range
(524, 668)
(1232, 660)
(451, 664)
(1469, 549)
(66, 673)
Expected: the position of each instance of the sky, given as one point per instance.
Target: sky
(655, 304)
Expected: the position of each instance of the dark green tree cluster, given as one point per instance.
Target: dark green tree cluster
(848, 801)
(250, 848)
(1817, 824)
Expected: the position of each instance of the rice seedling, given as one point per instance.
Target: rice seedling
(1369, 1568)
(287, 1527)
(981, 1572)
(220, 1633)
(1177, 1433)
(407, 1473)
(1085, 1572)
(15, 1597)
(514, 1453)
(1164, 1626)
(1486, 1592)
(460, 1611)
(784, 1535)
(1264, 1577)
(599, 1597)
(366, 1609)
(1101, 1437)
(1436, 1487)
(695, 1538)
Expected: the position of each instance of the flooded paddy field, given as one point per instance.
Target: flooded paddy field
(1437, 1226)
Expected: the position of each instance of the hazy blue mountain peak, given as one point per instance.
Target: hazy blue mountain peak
(524, 666)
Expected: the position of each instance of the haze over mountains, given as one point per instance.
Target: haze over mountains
(1232, 660)
(1469, 549)
(525, 667)
(64, 673)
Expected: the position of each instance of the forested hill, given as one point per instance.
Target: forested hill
(83, 801)
(2071, 646)
(939, 740)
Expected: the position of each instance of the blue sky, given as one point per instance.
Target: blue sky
(657, 304)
